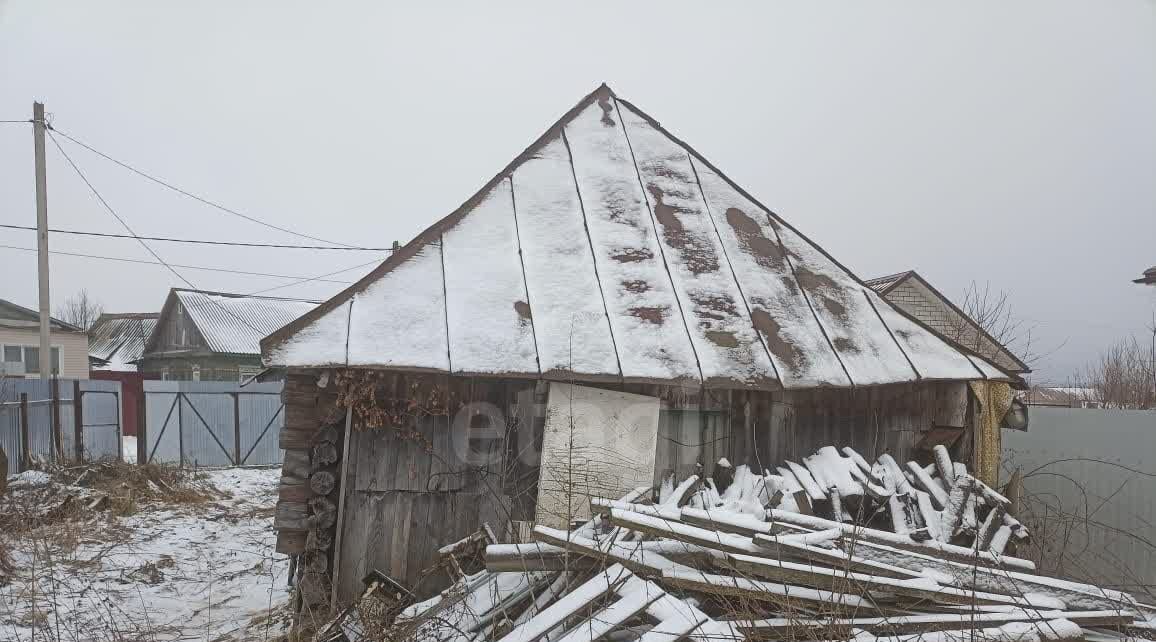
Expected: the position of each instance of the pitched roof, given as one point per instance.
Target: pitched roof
(885, 284)
(19, 317)
(234, 323)
(610, 250)
(118, 340)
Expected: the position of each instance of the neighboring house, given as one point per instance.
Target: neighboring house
(213, 336)
(1148, 278)
(20, 345)
(610, 276)
(1067, 397)
(116, 341)
(912, 293)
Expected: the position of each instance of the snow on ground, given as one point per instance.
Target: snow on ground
(170, 571)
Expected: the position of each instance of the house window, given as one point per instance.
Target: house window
(246, 372)
(29, 357)
(31, 360)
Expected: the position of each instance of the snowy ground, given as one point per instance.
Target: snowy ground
(196, 571)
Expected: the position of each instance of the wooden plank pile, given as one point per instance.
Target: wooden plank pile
(830, 549)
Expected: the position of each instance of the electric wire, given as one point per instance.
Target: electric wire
(130, 231)
(168, 239)
(320, 279)
(193, 196)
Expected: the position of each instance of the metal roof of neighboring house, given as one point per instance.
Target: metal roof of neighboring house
(1060, 396)
(19, 317)
(884, 284)
(234, 323)
(1149, 276)
(118, 340)
(610, 250)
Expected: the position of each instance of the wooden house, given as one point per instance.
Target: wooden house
(214, 336)
(610, 258)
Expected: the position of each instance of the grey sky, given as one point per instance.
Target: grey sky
(1006, 142)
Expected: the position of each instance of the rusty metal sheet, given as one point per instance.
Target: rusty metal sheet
(649, 332)
(779, 311)
(862, 341)
(729, 350)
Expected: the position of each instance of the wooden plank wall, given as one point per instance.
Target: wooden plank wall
(762, 429)
(478, 463)
(413, 489)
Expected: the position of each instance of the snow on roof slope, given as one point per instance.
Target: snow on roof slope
(611, 250)
(235, 323)
(119, 339)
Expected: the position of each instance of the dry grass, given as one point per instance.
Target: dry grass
(82, 502)
(81, 569)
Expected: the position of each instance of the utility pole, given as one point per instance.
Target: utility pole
(42, 238)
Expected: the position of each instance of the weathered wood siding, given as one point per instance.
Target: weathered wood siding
(176, 331)
(761, 429)
(410, 489)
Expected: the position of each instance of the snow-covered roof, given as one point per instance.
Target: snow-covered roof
(235, 323)
(610, 250)
(118, 340)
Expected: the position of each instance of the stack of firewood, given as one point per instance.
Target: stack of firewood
(833, 548)
(306, 514)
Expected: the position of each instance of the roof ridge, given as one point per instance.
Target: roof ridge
(433, 231)
(236, 295)
(897, 364)
(889, 277)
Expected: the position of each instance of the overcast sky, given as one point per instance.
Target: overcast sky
(1010, 143)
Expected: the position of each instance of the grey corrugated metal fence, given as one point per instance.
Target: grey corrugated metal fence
(1090, 493)
(209, 423)
(38, 420)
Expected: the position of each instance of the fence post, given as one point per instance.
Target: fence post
(142, 426)
(25, 445)
(236, 428)
(57, 435)
(77, 420)
(180, 431)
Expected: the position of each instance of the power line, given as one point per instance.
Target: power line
(130, 231)
(193, 267)
(195, 197)
(200, 241)
(320, 277)
(16, 121)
